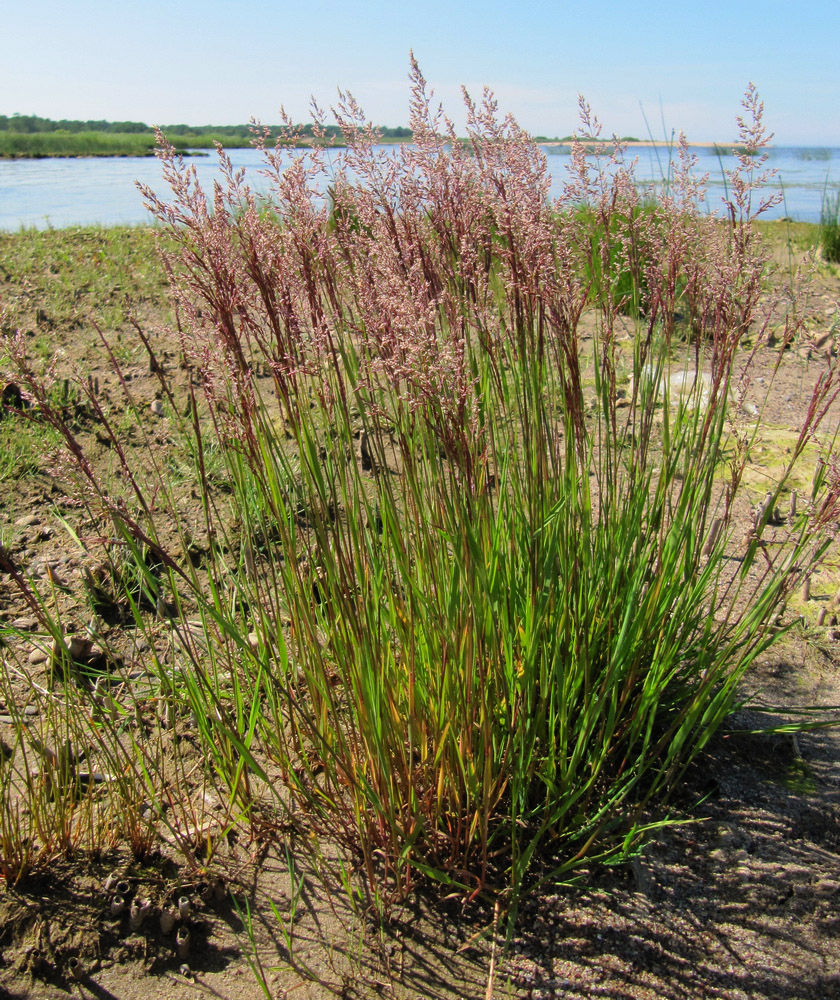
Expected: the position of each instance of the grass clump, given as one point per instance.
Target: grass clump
(830, 228)
(463, 604)
(623, 254)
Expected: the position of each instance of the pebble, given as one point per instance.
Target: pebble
(27, 521)
(156, 406)
(77, 646)
(24, 623)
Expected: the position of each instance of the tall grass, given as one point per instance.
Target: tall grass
(468, 601)
(830, 228)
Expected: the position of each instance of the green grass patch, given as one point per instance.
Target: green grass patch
(830, 228)
(59, 278)
(23, 446)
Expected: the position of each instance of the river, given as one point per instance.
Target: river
(101, 191)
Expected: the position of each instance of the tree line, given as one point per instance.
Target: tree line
(33, 123)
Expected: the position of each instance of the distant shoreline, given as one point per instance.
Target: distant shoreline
(24, 146)
(640, 143)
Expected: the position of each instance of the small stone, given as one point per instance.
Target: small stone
(24, 624)
(27, 521)
(77, 646)
(38, 655)
(156, 406)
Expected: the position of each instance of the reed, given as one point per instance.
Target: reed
(37, 144)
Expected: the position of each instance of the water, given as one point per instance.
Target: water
(62, 192)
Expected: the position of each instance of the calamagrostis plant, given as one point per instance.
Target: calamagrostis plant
(467, 605)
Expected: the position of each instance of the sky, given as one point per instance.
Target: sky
(647, 69)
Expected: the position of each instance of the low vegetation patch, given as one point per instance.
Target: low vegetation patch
(830, 228)
(29, 136)
(19, 144)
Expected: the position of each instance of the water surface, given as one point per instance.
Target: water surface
(65, 191)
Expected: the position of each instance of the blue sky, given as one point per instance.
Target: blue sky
(222, 61)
